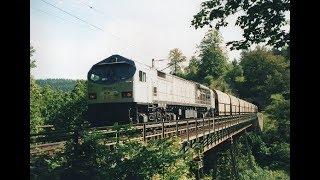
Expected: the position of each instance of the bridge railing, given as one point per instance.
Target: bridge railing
(220, 134)
(189, 130)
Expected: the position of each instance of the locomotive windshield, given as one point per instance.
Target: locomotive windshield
(111, 73)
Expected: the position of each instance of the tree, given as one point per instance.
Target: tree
(279, 110)
(285, 52)
(192, 69)
(73, 105)
(213, 61)
(32, 61)
(176, 58)
(262, 21)
(234, 77)
(276, 156)
(264, 74)
(65, 85)
(271, 147)
(263, 174)
(217, 83)
(36, 118)
(54, 101)
(130, 159)
(280, 155)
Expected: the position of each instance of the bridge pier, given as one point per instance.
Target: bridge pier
(260, 121)
(257, 123)
(199, 162)
(233, 160)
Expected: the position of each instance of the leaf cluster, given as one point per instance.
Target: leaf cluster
(261, 21)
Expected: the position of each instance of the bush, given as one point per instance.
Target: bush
(132, 159)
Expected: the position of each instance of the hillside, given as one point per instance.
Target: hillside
(61, 84)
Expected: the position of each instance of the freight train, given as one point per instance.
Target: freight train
(122, 90)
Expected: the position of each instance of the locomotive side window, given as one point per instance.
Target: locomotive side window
(208, 96)
(154, 91)
(142, 76)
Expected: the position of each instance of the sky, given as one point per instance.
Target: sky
(67, 47)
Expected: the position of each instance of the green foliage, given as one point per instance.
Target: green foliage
(211, 66)
(176, 58)
(52, 101)
(32, 61)
(285, 52)
(46, 166)
(262, 21)
(223, 170)
(36, 118)
(192, 69)
(234, 77)
(246, 164)
(264, 74)
(263, 174)
(65, 85)
(280, 153)
(213, 61)
(71, 113)
(279, 110)
(272, 148)
(270, 152)
(259, 74)
(63, 110)
(52, 106)
(218, 83)
(92, 159)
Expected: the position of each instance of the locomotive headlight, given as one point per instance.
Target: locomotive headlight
(127, 94)
(92, 95)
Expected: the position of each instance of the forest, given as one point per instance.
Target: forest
(261, 75)
(58, 84)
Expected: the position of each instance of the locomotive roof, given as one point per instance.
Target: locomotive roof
(115, 59)
(120, 59)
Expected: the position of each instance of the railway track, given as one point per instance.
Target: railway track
(186, 129)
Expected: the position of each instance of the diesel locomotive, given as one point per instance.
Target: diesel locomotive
(123, 90)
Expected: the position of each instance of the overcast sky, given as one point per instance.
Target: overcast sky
(67, 47)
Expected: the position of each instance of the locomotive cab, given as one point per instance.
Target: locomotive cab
(110, 90)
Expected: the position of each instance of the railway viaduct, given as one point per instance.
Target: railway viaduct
(206, 132)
